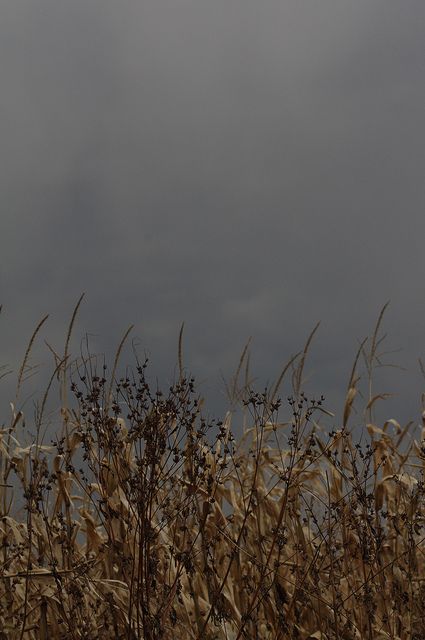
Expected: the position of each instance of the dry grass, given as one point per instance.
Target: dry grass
(143, 520)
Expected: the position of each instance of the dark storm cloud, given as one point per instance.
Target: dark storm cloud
(250, 168)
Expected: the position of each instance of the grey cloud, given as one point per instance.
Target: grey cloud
(249, 168)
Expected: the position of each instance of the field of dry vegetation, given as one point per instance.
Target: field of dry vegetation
(142, 519)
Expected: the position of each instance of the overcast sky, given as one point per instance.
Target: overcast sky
(248, 167)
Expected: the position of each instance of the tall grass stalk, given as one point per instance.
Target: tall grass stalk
(144, 520)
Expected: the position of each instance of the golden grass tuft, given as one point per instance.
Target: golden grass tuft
(145, 520)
